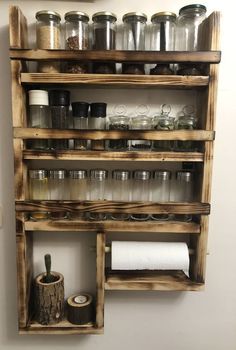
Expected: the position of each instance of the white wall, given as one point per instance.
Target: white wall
(133, 320)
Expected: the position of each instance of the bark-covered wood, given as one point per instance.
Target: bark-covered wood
(80, 314)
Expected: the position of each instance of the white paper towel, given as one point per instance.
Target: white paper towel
(150, 256)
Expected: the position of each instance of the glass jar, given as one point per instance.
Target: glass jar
(161, 190)
(48, 36)
(77, 38)
(104, 38)
(98, 184)
(119, 122)
(163, 38)
(80, 122)
(78, 188)
(58, 190)
(120, 191)
(59, 101)
(39, 116)
(38, 190)
(97, 121)
(187, 121)
(183, 191)
(164, 122)
(134, 32)
(141, 191)
(141, 122)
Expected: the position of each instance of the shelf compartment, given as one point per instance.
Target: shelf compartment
(114, 155)
(158, 280)
(118, 56)
(116, 80)
(182, 135)
(113, 226)
(114, 207)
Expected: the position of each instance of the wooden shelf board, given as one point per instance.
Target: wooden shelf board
(113, 226)
(108, 206)
(116, 80)
(158, 280)
(183, 135)
(117, 56)
(114, 155)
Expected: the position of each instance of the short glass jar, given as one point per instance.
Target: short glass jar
(97, 121)
(98, 188)
(120, 190)
(161, 190)
(58, 190)
(164, 122)
(119, 122)
(77, 38)
(187, 121)
(141, 122)
(78, 189)
(80, 122)
(48, 36)
(38, 190)
(141, 191)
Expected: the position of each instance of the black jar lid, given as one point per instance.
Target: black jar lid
(98, 109)
(59, 98)
(76, 16)
(80, 109)
(192, 6)
(104, 16)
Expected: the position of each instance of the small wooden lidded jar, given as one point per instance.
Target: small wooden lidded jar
(49, 299)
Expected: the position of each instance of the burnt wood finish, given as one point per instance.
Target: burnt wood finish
(100, 262)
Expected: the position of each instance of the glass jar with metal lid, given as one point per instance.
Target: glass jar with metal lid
(48, 36)
(141, 190)
(77, 38)
(160, 190)
(164, 122)
(119, 121)
(163, 37)
(38, 190)
(120, 190)
(98, 189)
(97, 121)
(78, 188)
(80, 122)
(187, 121)
(183, 191)
(58, 190)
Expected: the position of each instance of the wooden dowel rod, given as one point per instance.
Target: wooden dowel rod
(109, 251)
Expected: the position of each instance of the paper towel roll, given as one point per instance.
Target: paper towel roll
(150, 256)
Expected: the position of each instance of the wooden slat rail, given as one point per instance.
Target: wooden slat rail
(117, 56)
(114, 207)
(183, 135)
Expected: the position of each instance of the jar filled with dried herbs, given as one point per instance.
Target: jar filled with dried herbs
(77, 38)
(164, 122)
(120, 122)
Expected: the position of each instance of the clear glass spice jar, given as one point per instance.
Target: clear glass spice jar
(98, 188)
(80, 122)
(78, 188)
(59, 101)
(187, 121)
(38, 190)
(164, 122)
(39, 116)
(141, 122)
(77, 38)
(58, 190)
(121, 190)
(97, 121)
(141, 191)
(120, 122)
(161, 190)
(183, 191)
(48, 36)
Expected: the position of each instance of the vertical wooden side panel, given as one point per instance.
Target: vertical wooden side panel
(100, 279)
(20, 171)
(18, 28)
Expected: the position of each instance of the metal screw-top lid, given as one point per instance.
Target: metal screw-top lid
(162, 175)
(98, 174)
(77, 174)
(163, 15)
(76, 16)
(121, 175)
(142, 175)
(39, 174)
(47, 14)
(104, 16)
(192, 7)
(59, 98)
(98, 109)
(184, 176)
(80, 109)
(137, 16)
(59, 174)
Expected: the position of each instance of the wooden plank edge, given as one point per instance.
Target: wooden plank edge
(152, 286)
(61, 331)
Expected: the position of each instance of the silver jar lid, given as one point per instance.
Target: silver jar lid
(142, 175)
(98, 174)
(39, 174)
(184, 176)
(121, 175)
(162, 175)
(77, 174)
(76, 16)
(59, 174)
(104, 15)
(166, 14)
(49, 14)
(139, 16)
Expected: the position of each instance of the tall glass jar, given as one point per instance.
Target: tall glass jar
(141, 122)
(187, 121)
(104, 38)
(141, 191)
(77, 38)
(80, 122)
(183, 191)
(48, 36)
(161, 190)
(120, 190)
(38, 190)
(98, 184)
(58, 190)
(97, 121)
(59, 101)
(134, 32)
(120, 122)
(164, 122)
(78, 189)
(39, 116)
(163, 37)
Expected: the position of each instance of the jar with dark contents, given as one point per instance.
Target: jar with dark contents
(164, 122)
(97, 121)
(77, 38)
(104, 38)
(119, 122)
(187, 121)
(58, 191)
